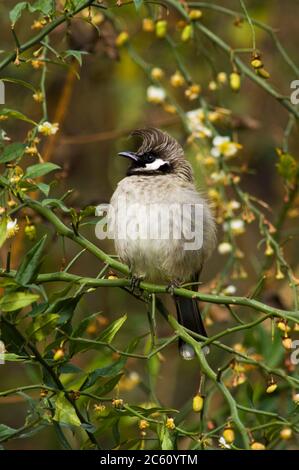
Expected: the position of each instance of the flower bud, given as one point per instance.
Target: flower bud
(256, 63)
(59, 354)
(157, 73)
(272, 386)
(148, 25)
(287, 343)
(170, 423)
(263, 73)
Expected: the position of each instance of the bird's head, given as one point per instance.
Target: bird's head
(158, 154)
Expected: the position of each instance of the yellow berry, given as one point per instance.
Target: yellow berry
(187, 33)
(30, 232)
(157, 73)
(177, 79)
(121, 39)
(197, 403)
(59, 354)
(161, 28)
(286, 433)
(148, 25)
(263, 73)
(287, 343)
(195, 14)
(271, 387)
(256, 63)
(229, 435)
(257, 446)
(235, 81)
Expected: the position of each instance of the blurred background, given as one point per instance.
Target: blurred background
(96, 106)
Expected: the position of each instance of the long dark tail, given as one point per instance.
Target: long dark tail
(188, 316)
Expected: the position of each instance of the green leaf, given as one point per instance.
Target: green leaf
(12, 152)
(108, 386)
(17, 81)
(75, 54)
(40, 169)
(44, 188)
(15, 300)
(16, 115)
(64, 412)
(109, 333)
(31, 263)
(3, 230)
(16, 12)
(42, 326)
(6, 432)
(167, 439)
(108, 371)
(11, 357)
(44, 6)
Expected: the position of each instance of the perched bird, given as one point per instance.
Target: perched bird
(159, 190)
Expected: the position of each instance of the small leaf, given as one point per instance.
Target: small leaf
(17, 81)
(44, 6)
(76, 54)
(16, 12)
(44, 188)
(64, 412)
(6, 432)
(109, 333)
(40, 169)
(287, 166)
(30, 264)
(16, 115)
(15, 300)
(12, 152)
(108, 371)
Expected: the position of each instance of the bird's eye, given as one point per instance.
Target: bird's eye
(150, 158)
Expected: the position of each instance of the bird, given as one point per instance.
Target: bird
(160, 183)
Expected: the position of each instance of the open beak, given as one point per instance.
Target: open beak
(131, 155)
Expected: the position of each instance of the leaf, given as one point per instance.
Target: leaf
(30, 264)
(44, 6)
(44, 188)
(42, 326)
(76, 54)
(167, 439)
(108, 371)
(109, 333)
(64, 412)
(16, 12)
(6, 432)
(12, 152)
(108, 386)
(56, 203)
(138, 4)
(11, 357)
(40, 169)
(17, 81)
(16, 115)
(15, 300)
(3, 230)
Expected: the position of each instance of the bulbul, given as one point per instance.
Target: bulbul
(154, 213)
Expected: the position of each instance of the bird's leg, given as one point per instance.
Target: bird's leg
(175, 283)
(135, 282)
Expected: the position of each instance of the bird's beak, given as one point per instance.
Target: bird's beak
(131, 155)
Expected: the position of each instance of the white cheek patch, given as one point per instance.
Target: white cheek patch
(158, 163)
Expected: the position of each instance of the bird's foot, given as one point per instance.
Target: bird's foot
(173, 285)
(135, 283)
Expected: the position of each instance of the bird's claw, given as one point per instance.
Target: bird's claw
(172, 285)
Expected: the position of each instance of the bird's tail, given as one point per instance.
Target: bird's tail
(188, 316)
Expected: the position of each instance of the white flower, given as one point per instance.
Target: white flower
(230, 290)
(237, 226)
(222, 145)
(234, 205)
(47, 128)
(223, 443)
(195, 120)
(155, 94)
(224, 248)
(11, 228)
